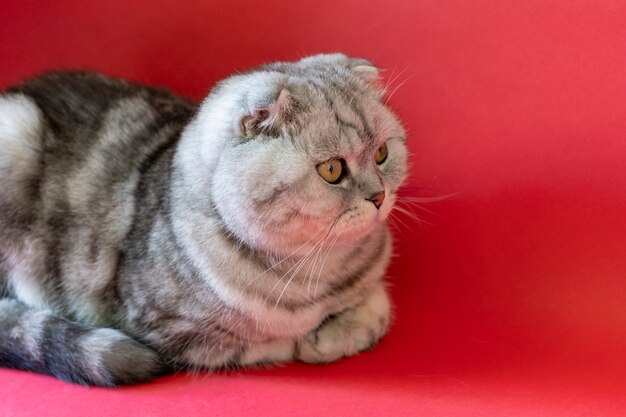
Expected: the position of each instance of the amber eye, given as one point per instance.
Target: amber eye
(381, 154)
(332, 171)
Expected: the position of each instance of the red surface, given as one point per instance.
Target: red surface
(513, 302)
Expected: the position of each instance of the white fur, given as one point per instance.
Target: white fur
(209, 357)
(283, 323)
(24, 268)
(26, 289)
(20, 145)
(350, 332)
(20, 125)
(278, 351)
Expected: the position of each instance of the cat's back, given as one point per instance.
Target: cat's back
(76, 105)
(75, 148)
(67, 134)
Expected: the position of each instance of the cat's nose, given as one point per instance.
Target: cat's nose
(377, 199)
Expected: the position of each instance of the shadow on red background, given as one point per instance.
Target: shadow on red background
(513, 301)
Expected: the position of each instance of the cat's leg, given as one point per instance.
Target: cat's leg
(39, 341)
(268, 353)
(344, 334)
(348, 332)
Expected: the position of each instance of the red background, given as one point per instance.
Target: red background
(513, 302)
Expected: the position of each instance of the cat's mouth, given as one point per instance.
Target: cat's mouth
(354, 222)
(347, 211)
(346, 215)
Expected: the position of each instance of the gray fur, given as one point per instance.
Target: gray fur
(138, 228)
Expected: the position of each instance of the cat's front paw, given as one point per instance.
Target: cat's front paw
(348, 332)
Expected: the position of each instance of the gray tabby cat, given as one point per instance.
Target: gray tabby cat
(142, 233)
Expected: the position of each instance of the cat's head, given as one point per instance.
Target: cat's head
(293, 153)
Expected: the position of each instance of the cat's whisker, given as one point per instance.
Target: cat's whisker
(293, 275)
(412, 216)
(393, 79)
(408, 213)
(298, 263)
(427, 199)
(415, 205)
(392, 222)
(274, 265)
(320, 246)
(320, 252)
(323, 264)
(388, 81)
(395, 218)
(309, 269)
(397, 88)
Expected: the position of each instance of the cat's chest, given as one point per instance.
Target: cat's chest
(282, 298)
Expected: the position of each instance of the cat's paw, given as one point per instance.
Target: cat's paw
(348, 332)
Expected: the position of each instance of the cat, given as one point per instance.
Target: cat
(143, 233)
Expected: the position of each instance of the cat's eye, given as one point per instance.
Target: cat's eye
(332, 171)
(381, 154)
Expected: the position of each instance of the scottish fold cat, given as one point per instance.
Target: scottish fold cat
(141, 232)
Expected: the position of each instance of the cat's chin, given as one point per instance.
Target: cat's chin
(355, 224)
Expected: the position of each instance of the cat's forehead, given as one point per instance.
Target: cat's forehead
(344, 122)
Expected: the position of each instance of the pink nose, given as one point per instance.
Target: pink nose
(377, 199)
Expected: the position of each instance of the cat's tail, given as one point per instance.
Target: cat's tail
(37, 340)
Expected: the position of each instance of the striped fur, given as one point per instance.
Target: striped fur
(141, 232)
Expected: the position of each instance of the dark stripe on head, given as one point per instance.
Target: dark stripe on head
(347, 125)
(330, 103)
(355, 105)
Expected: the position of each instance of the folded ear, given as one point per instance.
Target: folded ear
(268, 119)
(366, 71)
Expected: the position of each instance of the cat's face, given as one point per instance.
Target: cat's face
(311, 153)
